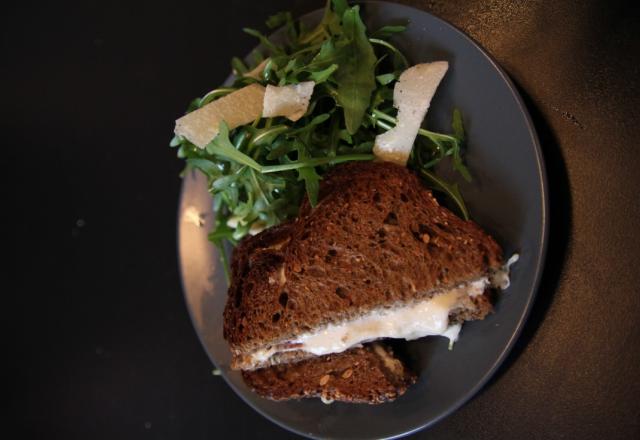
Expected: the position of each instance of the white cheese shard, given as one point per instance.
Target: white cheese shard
(256, 72)
(257, 227)
(192, 215)
(500, 278)
(326, 401)
(412, 95)
(290, 101)
(235, 109)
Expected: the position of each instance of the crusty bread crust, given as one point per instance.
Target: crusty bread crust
(368, 374)
(377, 238)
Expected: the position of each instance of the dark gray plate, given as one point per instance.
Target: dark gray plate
(507, 197)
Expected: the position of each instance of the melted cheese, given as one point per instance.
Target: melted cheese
(423, 318)
(500, 278)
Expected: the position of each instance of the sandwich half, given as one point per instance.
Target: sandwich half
(368, 374)
(378, 257)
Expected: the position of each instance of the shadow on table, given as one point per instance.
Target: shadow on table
(559, 232)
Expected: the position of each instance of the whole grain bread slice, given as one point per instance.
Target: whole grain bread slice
(471, 308)
(367, 374)
(377, 238)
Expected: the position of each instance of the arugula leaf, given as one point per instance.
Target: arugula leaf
(221, 233)
(175, 141)
(238, 67)
(457, 126)
(363, 148)
(280, 149)
(340, 6)
(320, 76)
(318, 161)
(355, 76)
(399, 60)
(324, 59)
(388, 31)
(264, 41)
(458, 133)
(386, 78)
(257, 56)
(221, 146)
(215, 94)
(311, 183)
(308, 175)
(330, 24)
(283, 18)
(450, 189)
(266, 136)
(317, 120)
(345, 136)
(208, 167)
(278, 19)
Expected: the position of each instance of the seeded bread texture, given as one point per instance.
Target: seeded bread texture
(377, 238)
(368, 374)
(471, 308)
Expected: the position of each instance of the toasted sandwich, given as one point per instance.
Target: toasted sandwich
(368, 374)
(378, 257)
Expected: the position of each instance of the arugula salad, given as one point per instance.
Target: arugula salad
(258, 172)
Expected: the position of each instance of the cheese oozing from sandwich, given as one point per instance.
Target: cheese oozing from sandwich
(412, 321)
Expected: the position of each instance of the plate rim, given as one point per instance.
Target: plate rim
(539, 263)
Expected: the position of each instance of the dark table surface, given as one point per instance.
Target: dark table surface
(100, 340)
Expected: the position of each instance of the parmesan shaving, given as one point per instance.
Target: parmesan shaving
(290, 101)
(412, 96)
(235, 109)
